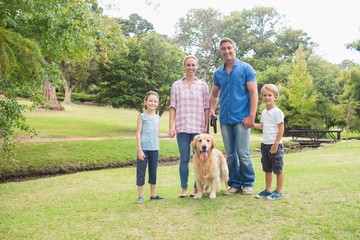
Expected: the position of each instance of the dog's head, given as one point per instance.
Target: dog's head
(203, 144)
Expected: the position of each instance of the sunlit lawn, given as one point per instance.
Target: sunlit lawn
(321, 197)
(321, 201)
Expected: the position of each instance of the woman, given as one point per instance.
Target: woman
(189, 114)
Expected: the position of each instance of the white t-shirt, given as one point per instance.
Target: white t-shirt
(270, 120)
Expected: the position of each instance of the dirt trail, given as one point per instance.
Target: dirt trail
(74, 139)
(71, 139)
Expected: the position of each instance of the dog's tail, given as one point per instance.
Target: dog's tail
(224, 170)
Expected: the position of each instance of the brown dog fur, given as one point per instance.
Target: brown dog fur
(210, 166)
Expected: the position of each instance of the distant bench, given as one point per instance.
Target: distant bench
(314, 136)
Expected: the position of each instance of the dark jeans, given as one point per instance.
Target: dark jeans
(151, 157)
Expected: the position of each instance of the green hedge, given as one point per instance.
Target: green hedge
(77, 97)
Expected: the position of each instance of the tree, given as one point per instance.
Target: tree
(151, 64)
(135, 25)
(349, 108)
(197, 34)
(300, 111)
(58, 31)
(324, 82)
(289, 40)
(62, 31)
(20, 76)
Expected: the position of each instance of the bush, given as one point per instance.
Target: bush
(77, 97)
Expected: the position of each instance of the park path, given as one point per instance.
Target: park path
(70, 139)
(74, 139)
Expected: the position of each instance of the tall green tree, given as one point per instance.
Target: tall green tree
(20, 76)
(33, 36)
(197, 34)
(151, 64)
(349, 108)
(135, 25)
(324, 76)
(301, 97)
(63, 32)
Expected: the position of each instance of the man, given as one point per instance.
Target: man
(236, 80)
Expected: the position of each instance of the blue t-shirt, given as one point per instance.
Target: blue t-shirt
(150, 132)
(234, 95)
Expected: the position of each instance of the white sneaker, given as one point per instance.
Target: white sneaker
(231, 191)
(247, 191)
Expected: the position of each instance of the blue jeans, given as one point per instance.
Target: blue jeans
(184, 141)
(236, 140)
(151, 157)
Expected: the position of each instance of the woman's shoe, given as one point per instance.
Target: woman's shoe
(183, 195)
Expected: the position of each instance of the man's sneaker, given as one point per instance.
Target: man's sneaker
(263, 194)
(140, 200)
(275, 195)
(247, 191)
(231, 191)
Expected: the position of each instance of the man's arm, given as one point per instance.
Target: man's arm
(253, 91)
(213, 100)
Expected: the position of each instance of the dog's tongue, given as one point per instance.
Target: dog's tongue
(204, 154)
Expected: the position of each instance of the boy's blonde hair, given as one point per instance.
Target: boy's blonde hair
(270, 87)
(149, 93)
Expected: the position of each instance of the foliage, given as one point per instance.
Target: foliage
(354, 45)
(348, 111)
(11, 118)
(31, 31)
(198, 34)
(152, 63)
(301, 99)
(325, 84)
(77, 97)
(135, 25)
(20, 76)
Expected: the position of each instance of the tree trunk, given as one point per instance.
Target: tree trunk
(68, 91)
(50, 96)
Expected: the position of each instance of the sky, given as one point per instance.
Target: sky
(331, 24)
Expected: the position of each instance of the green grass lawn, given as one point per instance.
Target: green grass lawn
(322, 201)
(84, 121)
(54, 157)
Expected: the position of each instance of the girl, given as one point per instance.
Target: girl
(147, 140)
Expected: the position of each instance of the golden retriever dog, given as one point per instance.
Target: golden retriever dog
(210, 166)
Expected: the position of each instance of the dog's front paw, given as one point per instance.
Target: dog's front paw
(198, 195)
(212, 195)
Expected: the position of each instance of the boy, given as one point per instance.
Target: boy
(272, 150)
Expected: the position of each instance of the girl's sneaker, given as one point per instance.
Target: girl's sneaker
(275, 195)
(263, 194)
(140, 200)
(157, 197)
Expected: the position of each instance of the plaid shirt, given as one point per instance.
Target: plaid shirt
(189, 104)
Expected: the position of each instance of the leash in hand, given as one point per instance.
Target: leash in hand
(212, 123)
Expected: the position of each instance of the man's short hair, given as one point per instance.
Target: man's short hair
(233, 43)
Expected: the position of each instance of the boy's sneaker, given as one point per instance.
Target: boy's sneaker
(263, 194)
(247, 191)
(275, 195)
(140, 200)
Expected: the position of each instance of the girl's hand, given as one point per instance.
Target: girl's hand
(172, 132)
(141, 155)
